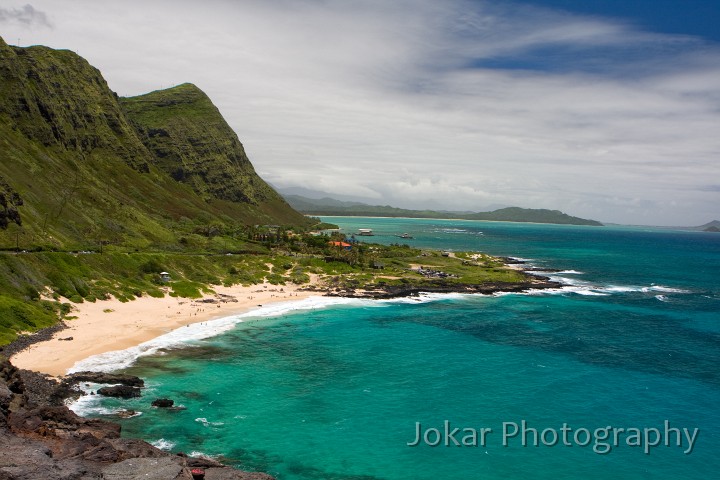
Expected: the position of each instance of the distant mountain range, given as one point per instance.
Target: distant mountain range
(332, 207)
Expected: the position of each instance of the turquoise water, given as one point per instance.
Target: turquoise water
(335, 391)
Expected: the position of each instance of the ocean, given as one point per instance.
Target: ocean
(615, 375)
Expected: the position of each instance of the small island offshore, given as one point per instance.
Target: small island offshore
(124, 218)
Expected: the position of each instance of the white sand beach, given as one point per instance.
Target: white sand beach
(110, 325)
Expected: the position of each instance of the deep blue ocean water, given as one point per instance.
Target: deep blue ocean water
(334, 390)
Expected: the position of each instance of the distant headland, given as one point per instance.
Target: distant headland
(332, 207)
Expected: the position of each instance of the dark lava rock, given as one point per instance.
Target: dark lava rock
(43, 440)
(512, 261)
(60, 421)
(120, 391)
(163, 403)
(24, 341)
(541, 269)
(109, 378)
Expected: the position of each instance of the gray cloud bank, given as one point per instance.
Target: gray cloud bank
(25, 15)
(452, 104)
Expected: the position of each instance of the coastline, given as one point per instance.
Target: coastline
(101, 336)
(111, 325)
(104, 327)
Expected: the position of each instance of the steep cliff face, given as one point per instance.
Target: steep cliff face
(58, 99)
(191, 141)
(91, 167)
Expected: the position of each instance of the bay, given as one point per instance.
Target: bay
(336, 391)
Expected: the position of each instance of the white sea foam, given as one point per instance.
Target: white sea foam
(206, 423)
(586, 288)
(422, 297)
(118, 359)
(199, 454)
(569, 281)
(578, 289)
(660, 288)
(163, 444)
(634, 288)
(621, 289)
(589, 292)
(90, 405)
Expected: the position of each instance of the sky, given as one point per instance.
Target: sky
(607, 110)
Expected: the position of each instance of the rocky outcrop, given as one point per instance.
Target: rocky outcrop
(104, 377)
(41, 439)
(119, 391)
(24, 341)
(163, 403)
(442, 286)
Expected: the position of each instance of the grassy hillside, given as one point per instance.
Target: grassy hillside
(133, 185)
(30, 281)
(190, 141)
(89, 277)
(141, 174)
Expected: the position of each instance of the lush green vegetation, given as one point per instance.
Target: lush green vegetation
(162, 171)
(18, 315)
(191, 142)
(37, 287)
(99, 195)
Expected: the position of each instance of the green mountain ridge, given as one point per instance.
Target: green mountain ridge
(332, 207)
(140, 172)
(193, 144)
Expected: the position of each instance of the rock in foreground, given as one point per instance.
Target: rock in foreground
(41, 439)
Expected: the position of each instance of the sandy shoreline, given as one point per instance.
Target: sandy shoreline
(110, 325)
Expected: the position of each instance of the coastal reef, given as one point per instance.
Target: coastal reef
(41, 439)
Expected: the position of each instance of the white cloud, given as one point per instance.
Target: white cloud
(396, 101)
